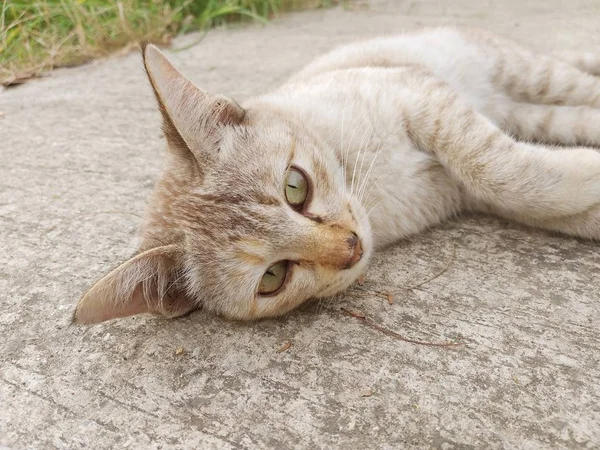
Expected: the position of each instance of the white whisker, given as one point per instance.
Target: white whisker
(343, 156)
(363, 186)
(364, 147)
(368, 191)
(358, 154)
(373, 207)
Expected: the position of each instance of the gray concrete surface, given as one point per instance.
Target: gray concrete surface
(79, 152)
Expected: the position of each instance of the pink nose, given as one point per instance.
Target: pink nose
(356, 249)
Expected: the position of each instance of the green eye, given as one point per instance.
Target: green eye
(273, 278)
(296, 188)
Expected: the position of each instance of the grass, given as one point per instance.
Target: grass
(38, 35)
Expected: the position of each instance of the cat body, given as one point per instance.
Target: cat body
(264, 206)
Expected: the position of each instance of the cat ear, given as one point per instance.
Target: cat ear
(191, 117)
(147, 283)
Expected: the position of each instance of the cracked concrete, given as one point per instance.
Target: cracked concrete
(80, 151)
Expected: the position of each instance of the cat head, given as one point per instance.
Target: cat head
(250, 218)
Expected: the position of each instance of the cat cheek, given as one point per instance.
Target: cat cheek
(298, 290)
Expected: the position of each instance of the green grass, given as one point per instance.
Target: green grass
(38, 35)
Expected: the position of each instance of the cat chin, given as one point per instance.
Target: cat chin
(345, 278)
(338, 287)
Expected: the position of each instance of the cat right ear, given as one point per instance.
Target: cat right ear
(191, 117)
(149, 282)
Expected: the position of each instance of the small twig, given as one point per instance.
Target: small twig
(390, 298)
(356, 314)
(284, 347)
(441, 272)
(360, 316)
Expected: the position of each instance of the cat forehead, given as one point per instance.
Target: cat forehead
(243, 195)
(253, 161)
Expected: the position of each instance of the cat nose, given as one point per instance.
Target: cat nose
(356, 249)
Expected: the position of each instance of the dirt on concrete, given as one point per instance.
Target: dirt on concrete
(79, 153)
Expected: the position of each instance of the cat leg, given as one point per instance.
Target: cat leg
(564, 125)
(534, 78)
(557, 190)
(584, 61)
(527, 77)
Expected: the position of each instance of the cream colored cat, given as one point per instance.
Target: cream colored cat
(264, 206)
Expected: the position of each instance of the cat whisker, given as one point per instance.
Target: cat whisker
(373, 207)
(358, 153)
(341, 142)
(364, 200)
(346, 150)
(362, 188)
(364, 146)
(367, 191)
(331, 299)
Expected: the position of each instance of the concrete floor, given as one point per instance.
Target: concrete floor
(80, 151)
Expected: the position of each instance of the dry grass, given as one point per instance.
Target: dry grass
(38, 35)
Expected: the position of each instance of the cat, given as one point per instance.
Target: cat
(264, 206)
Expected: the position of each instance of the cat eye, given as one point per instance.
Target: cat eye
(296, 188)
(274, 278)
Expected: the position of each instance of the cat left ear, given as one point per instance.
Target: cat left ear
(191, 116)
